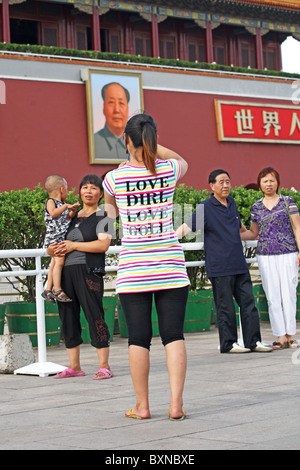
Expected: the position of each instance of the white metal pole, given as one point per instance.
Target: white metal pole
(42, 367)
(40, 312)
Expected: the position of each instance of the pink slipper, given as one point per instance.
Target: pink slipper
(107, 374)
(68, 373)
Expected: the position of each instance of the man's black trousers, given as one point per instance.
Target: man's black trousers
(238, 286)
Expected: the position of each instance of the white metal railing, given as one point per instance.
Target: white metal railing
(42, 367)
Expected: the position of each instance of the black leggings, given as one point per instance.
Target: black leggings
(86, 291)
(170, 305)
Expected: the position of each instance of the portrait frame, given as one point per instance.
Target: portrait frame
(95, 80)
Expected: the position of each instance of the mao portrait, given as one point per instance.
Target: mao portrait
(111, 99)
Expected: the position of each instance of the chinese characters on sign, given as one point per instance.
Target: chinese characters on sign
(256, 122)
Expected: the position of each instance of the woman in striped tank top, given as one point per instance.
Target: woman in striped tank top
(151, 258)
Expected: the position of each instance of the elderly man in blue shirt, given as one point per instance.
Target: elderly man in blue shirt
(226, 266)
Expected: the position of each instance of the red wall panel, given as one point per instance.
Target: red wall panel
(187, 122)
(43, 130)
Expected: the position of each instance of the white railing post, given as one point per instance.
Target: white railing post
(42, 367)
(40, 312)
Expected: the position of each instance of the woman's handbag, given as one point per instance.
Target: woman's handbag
(288, 211)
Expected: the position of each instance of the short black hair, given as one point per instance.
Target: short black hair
(215, 173)
(265, 172)
(104, 88)
(92, 179)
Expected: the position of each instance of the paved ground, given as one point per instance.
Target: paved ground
(249, 401)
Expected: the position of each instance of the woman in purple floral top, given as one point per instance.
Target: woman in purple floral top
(277, 254)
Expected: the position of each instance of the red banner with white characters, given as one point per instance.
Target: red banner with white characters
(257, 122)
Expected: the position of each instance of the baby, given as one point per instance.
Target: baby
(57, 216)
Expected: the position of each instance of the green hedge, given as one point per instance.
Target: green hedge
(22, 225)
(136, 59)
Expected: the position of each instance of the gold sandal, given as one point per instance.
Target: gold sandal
(277, 345)
(130, 414)
(181, 418)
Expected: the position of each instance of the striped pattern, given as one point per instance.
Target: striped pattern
(151, 257)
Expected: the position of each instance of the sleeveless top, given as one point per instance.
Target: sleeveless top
(56, 228)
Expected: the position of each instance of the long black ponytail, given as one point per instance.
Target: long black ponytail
(142, 130)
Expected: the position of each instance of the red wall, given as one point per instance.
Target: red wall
(43, 130)
(188, 123)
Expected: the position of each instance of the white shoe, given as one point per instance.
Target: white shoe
(236, 348)
(262, 348)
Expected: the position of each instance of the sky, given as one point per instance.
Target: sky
(290, 52)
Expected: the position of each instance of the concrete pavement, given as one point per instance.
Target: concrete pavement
(240, 402)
